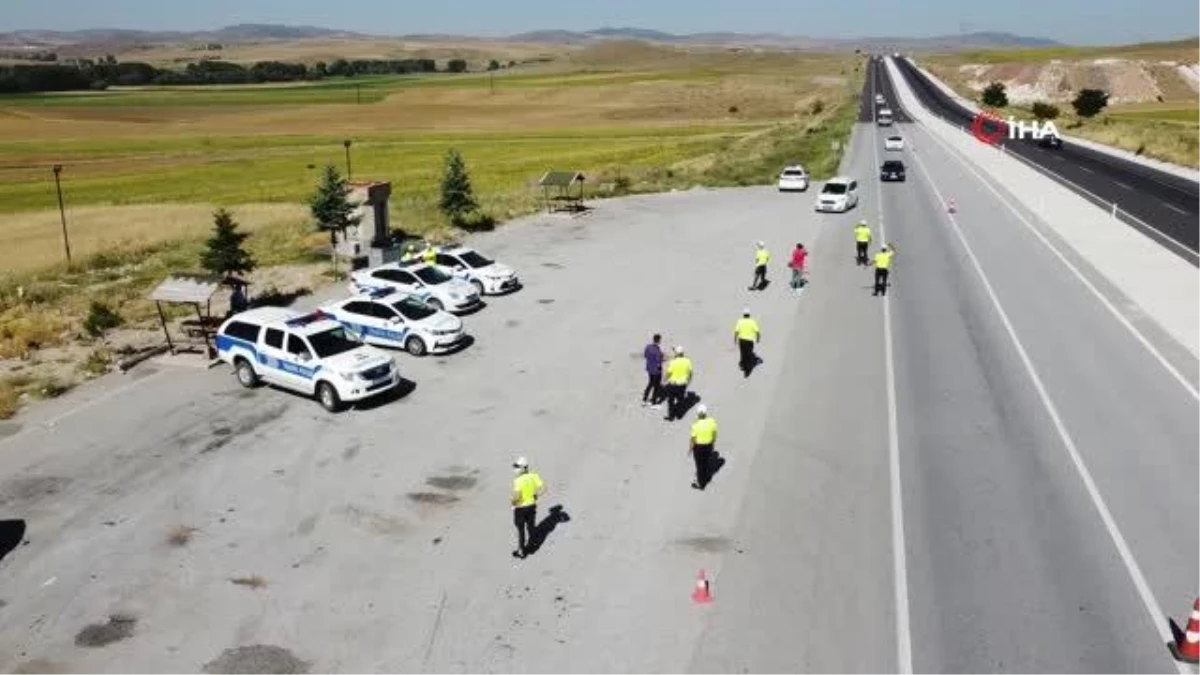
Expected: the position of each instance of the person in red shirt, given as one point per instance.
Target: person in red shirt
(799, 257)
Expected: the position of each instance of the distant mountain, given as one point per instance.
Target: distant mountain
(247, 32)
(252, 32)
(940, 42)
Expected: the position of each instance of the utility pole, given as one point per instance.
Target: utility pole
(347, 144)
(62, 213)
(358, 93)
(492, 83)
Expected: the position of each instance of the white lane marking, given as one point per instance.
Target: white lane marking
(1131, 566)
(1175, 209)
(51, 423)
(1078, 275)
(1121, 185)
(899, 555)
(1084, 168)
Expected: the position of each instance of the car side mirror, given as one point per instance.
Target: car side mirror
(305, 357)
(394, 319)
(459, 268)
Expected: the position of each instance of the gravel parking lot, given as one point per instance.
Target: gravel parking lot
(227, 528)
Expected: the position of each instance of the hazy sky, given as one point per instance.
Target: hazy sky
(1074, 21)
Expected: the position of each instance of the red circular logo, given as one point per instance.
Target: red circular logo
(989, 128)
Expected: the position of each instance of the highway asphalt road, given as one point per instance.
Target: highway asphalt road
(381, 537)
(1167, 206)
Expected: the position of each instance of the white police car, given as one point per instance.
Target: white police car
(428, 282)
(391, 318)
(486, 275)
(309, 353)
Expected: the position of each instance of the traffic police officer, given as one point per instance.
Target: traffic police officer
(761, 257)
(862, 239)
(527, 487)
(883, 263)
(679, 375)
(702, 447)
(745, 334)
(429, 254)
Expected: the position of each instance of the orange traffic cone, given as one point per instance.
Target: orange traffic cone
(1186, 646)
(701, 594)
(951, 208)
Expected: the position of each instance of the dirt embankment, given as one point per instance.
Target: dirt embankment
(1126, 80)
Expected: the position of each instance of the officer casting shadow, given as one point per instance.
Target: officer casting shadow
(689, 401)
(715, 463)
(11, 534)
(748, 367)
(542, 530)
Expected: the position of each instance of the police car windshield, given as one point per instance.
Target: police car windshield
(414, 309)
(475, 260)
(331, 342)
(834, 189)
(432, 275)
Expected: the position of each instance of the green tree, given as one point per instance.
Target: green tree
(493, 65)
(1089, 102)
(456, 66)
(995, 95)
(1044, 111)
(458, 198)
(225, 255)
(331, 208)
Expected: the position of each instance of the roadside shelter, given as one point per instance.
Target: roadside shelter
(189, 289)
(562, 190)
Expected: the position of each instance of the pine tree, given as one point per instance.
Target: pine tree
(331, 208)
(458, 199)
(225, 255)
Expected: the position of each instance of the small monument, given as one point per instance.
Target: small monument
(370, 242)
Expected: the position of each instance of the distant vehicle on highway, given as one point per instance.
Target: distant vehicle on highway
(390, 318)
(428, 282)
(486, 275)
(884, 117)
(1050, 141)
(793, 179)
(308, 353)
(879, 100)
(893, 143)
(839, 195)
(892, 169)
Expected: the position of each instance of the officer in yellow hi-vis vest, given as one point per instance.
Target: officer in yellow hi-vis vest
(745, 334)
(679, 376)
(883, 263)
(862, 239)
(410, 254)
(429, 255)
(761, 257)
(527, 487)
(703, 446)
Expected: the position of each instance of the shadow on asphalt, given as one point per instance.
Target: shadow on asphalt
(392, 395)
(748, 368)
(12, 532)
(542, 531)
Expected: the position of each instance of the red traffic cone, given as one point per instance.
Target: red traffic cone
(951, 208)
(701, 594)
(1186, 646)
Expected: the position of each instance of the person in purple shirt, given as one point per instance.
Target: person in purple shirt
(652, 395)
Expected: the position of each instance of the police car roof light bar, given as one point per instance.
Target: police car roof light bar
(312, 317)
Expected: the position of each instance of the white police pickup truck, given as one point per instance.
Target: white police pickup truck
(486, 275)
(391, 318)
(309, 353)
(427, 282)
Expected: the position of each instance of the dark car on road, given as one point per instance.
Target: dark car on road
(893, 169)
(1050, 141)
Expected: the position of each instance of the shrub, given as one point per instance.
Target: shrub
(622, 184)
(817, 107)
(1089, 102)
(97, 362)
(101, 318)
(1044, 111)
(995, 95)
(733, 110)
(475, 221)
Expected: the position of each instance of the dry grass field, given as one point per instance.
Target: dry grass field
(144, 168)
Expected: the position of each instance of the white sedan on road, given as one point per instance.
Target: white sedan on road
(427, 282)
(486, 275)
(793, 179)
(893, 143)
(839, 195)
(391, 318)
